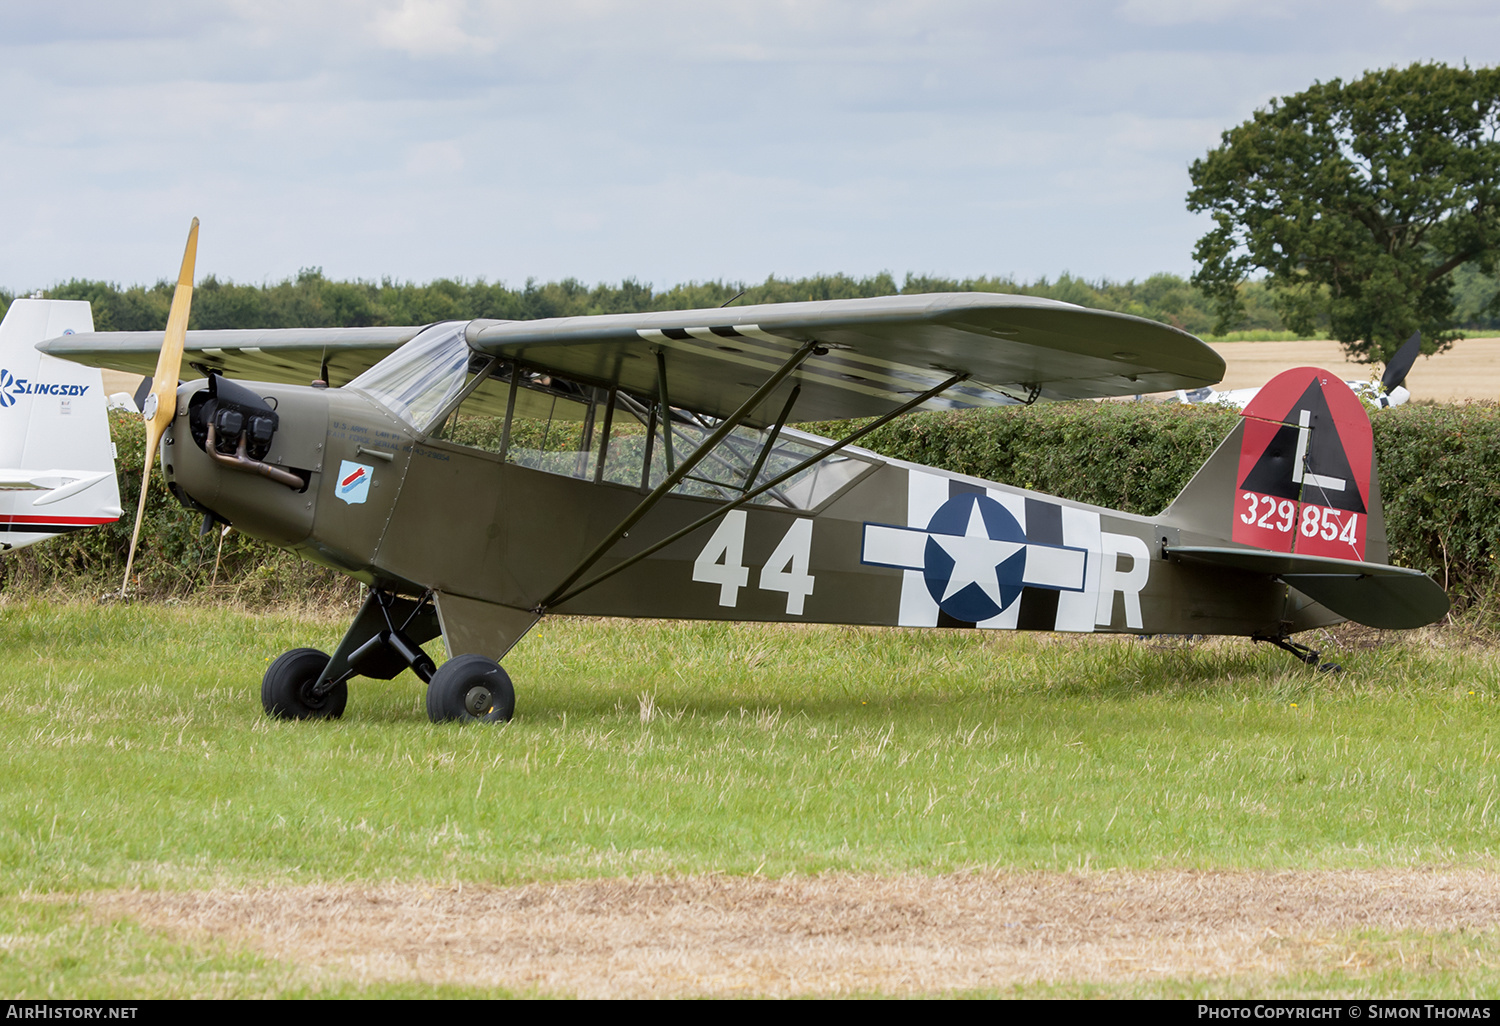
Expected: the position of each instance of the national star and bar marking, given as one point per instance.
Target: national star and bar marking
(975, 557)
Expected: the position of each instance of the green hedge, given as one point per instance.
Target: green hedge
(1438, 463)
(1128, 456)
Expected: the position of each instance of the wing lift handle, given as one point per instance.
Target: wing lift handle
(561, 593)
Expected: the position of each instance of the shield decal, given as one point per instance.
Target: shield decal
(353, 483)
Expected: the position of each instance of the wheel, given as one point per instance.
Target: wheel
(285, 691)
(470, 687)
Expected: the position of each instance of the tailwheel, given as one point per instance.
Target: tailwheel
(287, 690)
(1301, 653)
(469, 688)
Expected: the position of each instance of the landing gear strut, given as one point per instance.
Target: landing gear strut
(1302, 653)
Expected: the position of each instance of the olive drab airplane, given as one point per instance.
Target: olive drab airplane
(479, 475)
(57, 467)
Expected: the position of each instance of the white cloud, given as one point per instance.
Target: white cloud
(428, 28)
(665, 141)
(1438, 6)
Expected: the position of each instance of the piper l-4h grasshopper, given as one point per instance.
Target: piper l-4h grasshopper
(480, 475)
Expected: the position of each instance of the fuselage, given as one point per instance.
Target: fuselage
(859, 540)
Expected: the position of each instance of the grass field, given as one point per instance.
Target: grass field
(142, 786)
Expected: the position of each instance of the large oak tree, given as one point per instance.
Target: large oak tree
(1358, 200)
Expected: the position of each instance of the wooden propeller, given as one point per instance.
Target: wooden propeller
(161, 404)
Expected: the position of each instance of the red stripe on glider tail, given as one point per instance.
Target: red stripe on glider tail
(27, 518)
(1305, 467)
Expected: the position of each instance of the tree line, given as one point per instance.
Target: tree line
(311, 299)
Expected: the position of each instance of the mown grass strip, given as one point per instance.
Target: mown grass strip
(135, 754)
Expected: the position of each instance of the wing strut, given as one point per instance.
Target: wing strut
(765, 450)
(673, 477)
(666, 409)
(556, 599)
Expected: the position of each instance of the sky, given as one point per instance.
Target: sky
(661, 141)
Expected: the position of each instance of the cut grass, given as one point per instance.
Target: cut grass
(135, 754)
(61, 950)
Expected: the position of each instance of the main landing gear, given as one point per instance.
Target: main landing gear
(288, 690)
(306, 684)
(470, 687)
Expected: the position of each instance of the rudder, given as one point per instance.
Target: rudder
(57, 470)
(1297, 475)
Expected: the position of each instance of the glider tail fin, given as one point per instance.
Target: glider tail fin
(57, 470)
(1297, 477)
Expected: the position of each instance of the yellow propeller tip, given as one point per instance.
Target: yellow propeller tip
(189, 256)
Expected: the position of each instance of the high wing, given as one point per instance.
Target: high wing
(880, 352)
(293, 356)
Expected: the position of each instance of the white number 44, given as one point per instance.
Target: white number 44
(722, 562)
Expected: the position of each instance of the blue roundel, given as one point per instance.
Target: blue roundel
(972, 603)
(6, 381)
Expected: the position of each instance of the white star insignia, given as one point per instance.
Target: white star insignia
(976, 558)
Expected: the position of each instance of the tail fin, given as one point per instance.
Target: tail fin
(1297, 477)
(57, 469)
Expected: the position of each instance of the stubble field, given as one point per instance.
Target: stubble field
(1468, 370)
(707, 809)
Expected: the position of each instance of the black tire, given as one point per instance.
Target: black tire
(285, 691)
(471, 688)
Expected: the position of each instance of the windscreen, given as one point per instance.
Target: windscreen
(418, 381)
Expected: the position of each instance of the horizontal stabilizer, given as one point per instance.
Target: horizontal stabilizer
(1373, 594)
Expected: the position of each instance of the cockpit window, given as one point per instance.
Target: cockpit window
(418, 381)
(530, 417)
